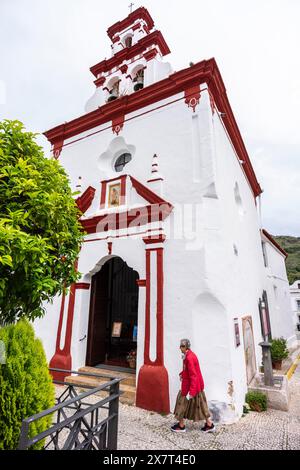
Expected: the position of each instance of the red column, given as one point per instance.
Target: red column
(62, 358)
(153, 380)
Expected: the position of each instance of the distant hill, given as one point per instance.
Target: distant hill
(292, 246)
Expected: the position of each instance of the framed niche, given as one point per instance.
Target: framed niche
(113, 192)
(237, 338)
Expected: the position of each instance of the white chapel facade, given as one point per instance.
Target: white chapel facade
(173, 246)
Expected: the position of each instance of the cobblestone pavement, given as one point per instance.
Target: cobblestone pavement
(273, 429)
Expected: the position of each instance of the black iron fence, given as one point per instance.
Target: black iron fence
(78, 424)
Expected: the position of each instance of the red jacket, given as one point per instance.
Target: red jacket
(192, 380)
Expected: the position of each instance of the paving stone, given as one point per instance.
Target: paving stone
(270, 430)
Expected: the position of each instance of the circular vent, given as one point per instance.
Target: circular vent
(121, 161)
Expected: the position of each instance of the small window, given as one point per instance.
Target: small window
(121, 161)
(298, 304)
(298, 286)
(264, 250)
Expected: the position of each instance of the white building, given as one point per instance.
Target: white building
(173, 246)
(295, 301)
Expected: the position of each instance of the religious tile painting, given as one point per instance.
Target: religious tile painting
(114, 195)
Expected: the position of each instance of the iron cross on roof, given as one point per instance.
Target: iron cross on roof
(131, 6)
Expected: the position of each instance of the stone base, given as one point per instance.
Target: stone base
(277, 396)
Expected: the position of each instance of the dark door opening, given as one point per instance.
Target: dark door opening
(112, 336)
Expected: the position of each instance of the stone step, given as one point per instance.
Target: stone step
(128, 391)
(128, 378)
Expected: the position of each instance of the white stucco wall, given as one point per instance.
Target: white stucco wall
(211, 276)
(279, 300)
(295, 305)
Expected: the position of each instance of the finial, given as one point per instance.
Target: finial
(155, 175)
(131, 6)
(78, 185)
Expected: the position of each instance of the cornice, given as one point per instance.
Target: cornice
(205, 71)
(155, 38)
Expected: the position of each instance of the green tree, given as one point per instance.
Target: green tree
(40, 234)
(25, 384)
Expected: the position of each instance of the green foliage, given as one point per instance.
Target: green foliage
(292, 246)
(40, 235)
(26, 387)
(256, 400)
(279, 349)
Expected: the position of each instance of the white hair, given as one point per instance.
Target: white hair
(185, 342)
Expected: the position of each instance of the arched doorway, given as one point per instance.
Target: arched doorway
(113, 314)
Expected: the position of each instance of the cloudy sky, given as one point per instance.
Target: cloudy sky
(48, 46)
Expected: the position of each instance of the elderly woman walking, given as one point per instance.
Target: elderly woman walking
(191, 400)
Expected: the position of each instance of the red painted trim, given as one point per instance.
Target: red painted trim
(114, 179)
(118, 123)
(146, 29)
(125, 55)
(153, 389)
(192, 96)
(82, 285)
(59, 328)
(69, 327)
(62, 358)
(85, 200)
(154, 179)
(103, 194)
(159, 361)
(149, 55)
(146, 193)
(160, 309)
(109, 247)
(154, 239)
(136, 26)
(123, 189)
(141, 282)
(123, 68)
(116, 39)
(271, 239)
(104, 184)
(153, 375)
(147, 310)
(99, 81)
(57, 148)
(136, 217)
(139, 14)
(202, 72)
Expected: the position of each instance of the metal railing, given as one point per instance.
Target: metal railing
(78, 425)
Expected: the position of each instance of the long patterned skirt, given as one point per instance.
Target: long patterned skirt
(195, 409)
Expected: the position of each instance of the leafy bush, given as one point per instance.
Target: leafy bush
(25, 384)
(40, 234)
(279, 349)
(256, 400)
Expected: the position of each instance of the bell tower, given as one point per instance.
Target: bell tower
(137, 52)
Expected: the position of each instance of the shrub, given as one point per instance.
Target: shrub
(279, 349)
(25, 384)
(256, 400)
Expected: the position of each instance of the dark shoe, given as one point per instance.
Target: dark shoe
(177, 428)
(207, 428)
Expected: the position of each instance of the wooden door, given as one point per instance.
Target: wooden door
(96, 348)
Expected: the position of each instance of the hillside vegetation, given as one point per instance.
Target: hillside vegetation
(292, 246)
